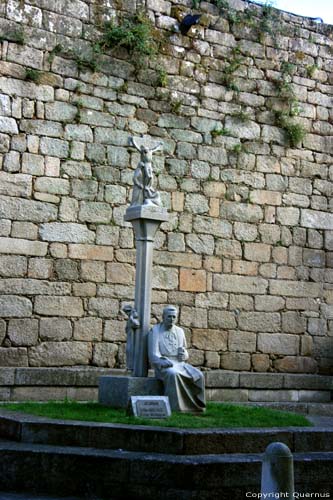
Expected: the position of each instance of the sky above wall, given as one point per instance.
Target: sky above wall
(308, 8)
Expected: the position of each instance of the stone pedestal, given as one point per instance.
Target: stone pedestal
(116, 391)
(145, 219)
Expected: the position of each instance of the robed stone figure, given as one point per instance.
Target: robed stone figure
(183, 383)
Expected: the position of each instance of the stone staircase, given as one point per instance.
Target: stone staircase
(109, 462)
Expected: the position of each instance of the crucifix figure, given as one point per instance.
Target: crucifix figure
(143, 190)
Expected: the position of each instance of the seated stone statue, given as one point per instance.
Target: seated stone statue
(183, 384)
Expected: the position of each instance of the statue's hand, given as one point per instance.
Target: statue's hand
(164, 363)
(181, 356)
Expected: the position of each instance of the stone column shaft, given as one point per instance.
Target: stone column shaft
(145, 220)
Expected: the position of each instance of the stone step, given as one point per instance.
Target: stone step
(322, 409)
(119, 474)
(268, 395)
(38, 430)
(81, 383)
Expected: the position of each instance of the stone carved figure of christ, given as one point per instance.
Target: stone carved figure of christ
(143, 190)
(183, 383)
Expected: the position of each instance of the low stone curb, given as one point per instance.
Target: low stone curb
(32, 429)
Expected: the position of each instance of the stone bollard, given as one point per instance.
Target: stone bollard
(277, 474)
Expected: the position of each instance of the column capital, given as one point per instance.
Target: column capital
(146, 212)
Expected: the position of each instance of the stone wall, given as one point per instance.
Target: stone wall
(248, 252)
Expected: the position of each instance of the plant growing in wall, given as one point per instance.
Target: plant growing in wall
(136, 34)
(162, 77)
(32, 75)
(295, 131)
(220, 131)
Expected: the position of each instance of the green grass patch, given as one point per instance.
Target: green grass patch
(220, 415)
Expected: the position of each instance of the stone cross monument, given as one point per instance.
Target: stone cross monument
(146, 214)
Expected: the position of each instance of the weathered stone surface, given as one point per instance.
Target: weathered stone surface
(23, 332)
(25, 286)
(13, 356)
(239, 284)
(259, 321)
(236, 361)
(104, 307)
(259, 252)
(193, 317)
(90, 252)
(55, 329)
(191, 280)
(210, 225)
(88, 329)
(276, 343)
(58, 306)
(245, 130)
(66, 269)
(178, 259)
(12, 306)
(8, 125)
(66, 232)
(241, 212)
(2, 331)
(209, 340)
(295, 288)
(293, 322)
(29, 210)
(23, 247)
(60, 354)
(52, 185)
(260, 362)
(317, 220)
(12, 266)
(203, 244)
(105, 354)
(94, 211)
(54, 147)
(242, 341)
(212, 359)
(114, 330)
(273, 395)
(25, 55)
(221, 319)
(41, 127)
(196, 203)
(15, 184)
(296, 364)
(165, 278)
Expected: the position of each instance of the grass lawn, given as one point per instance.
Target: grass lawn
(221, 415)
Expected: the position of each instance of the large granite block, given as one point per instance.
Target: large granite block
(116, 391)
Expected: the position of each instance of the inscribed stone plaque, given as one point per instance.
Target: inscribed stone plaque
(150, 406)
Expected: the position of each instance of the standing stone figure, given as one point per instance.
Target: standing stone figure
(143, 191)
(183, 383)
(132, 325)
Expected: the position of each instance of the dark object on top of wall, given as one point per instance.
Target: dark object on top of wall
(187, 22)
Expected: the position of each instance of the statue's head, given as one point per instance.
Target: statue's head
(170, 315)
